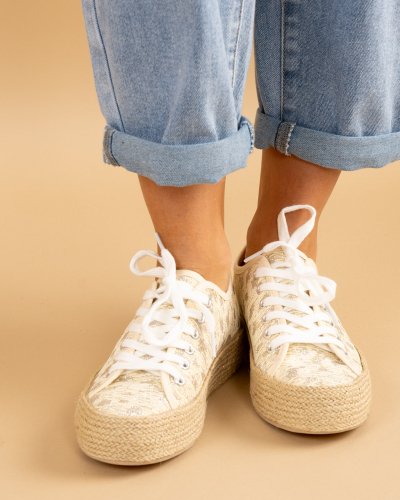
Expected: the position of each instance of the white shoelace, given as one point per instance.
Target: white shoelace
(174, 321)
(311, 327)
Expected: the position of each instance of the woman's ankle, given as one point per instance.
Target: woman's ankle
(286, 181)
(212, 261)
(190, 222)
(263, 229)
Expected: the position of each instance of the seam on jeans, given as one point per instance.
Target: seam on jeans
(288, 140)
(287, 135)
(283, 59)
(282, 138)
(237, 42)
(277, 135)
(107, 64)
(251, 130)
(107, 146)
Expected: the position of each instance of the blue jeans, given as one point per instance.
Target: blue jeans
(170, 77)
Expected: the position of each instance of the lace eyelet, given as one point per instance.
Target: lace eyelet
(261, 304)
(264, 318)
(180, 381)
(209, 303)
(195, 334)
(190, 350)
(258, 289)
(201, 320)
(270, 348)
(185, 365)
(266, 333)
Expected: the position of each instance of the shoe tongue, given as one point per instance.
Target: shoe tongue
(189, 277)
(277, 255)
(186, 277)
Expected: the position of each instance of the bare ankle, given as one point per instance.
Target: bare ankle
(190, 222)
(263, 230)
(211, 260)
(286, 181)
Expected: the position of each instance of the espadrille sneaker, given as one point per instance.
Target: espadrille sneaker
(306, 375)
(148, 402)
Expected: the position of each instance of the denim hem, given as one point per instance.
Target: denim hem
(179, 165)
(327, 150)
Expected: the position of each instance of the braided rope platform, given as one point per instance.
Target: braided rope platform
(154, 438)
(311, 410)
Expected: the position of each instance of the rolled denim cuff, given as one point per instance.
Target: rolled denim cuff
(179, 165)
(327, 150)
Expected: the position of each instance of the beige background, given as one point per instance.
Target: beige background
(69, 226)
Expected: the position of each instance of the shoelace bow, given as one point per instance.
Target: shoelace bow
(310, 327)
(173, 322)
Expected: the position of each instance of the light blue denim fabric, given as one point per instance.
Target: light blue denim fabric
(170, 77)
(328, 80)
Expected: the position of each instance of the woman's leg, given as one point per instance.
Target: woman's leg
(170, 77)
(190, 222)
(285, 181)
(328, 89)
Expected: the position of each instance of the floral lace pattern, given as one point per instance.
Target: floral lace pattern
(304, 364)
(141, 393)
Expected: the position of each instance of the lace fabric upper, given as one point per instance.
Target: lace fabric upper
(161, 361)
(292, 279)
(162, 324)
(287, 308)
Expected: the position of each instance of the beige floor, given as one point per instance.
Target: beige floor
(69, 227)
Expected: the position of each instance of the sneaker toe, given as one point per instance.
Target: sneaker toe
(137, 394)
(312, 366)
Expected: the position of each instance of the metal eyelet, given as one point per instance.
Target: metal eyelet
(258, 289)
(185, 365)
(266, 333)
(264, 318)
(180, 381)
(261, 304)
(201, 320)
(209, 303)
(190, 350)
(195, 334)
(270, 348)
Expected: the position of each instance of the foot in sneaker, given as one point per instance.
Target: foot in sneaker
(148, 402)
(306, 375)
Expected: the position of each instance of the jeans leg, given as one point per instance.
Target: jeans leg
(170, 77)
(328, 79)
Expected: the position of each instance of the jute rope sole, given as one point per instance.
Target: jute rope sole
(311, 410)
(155, 438)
